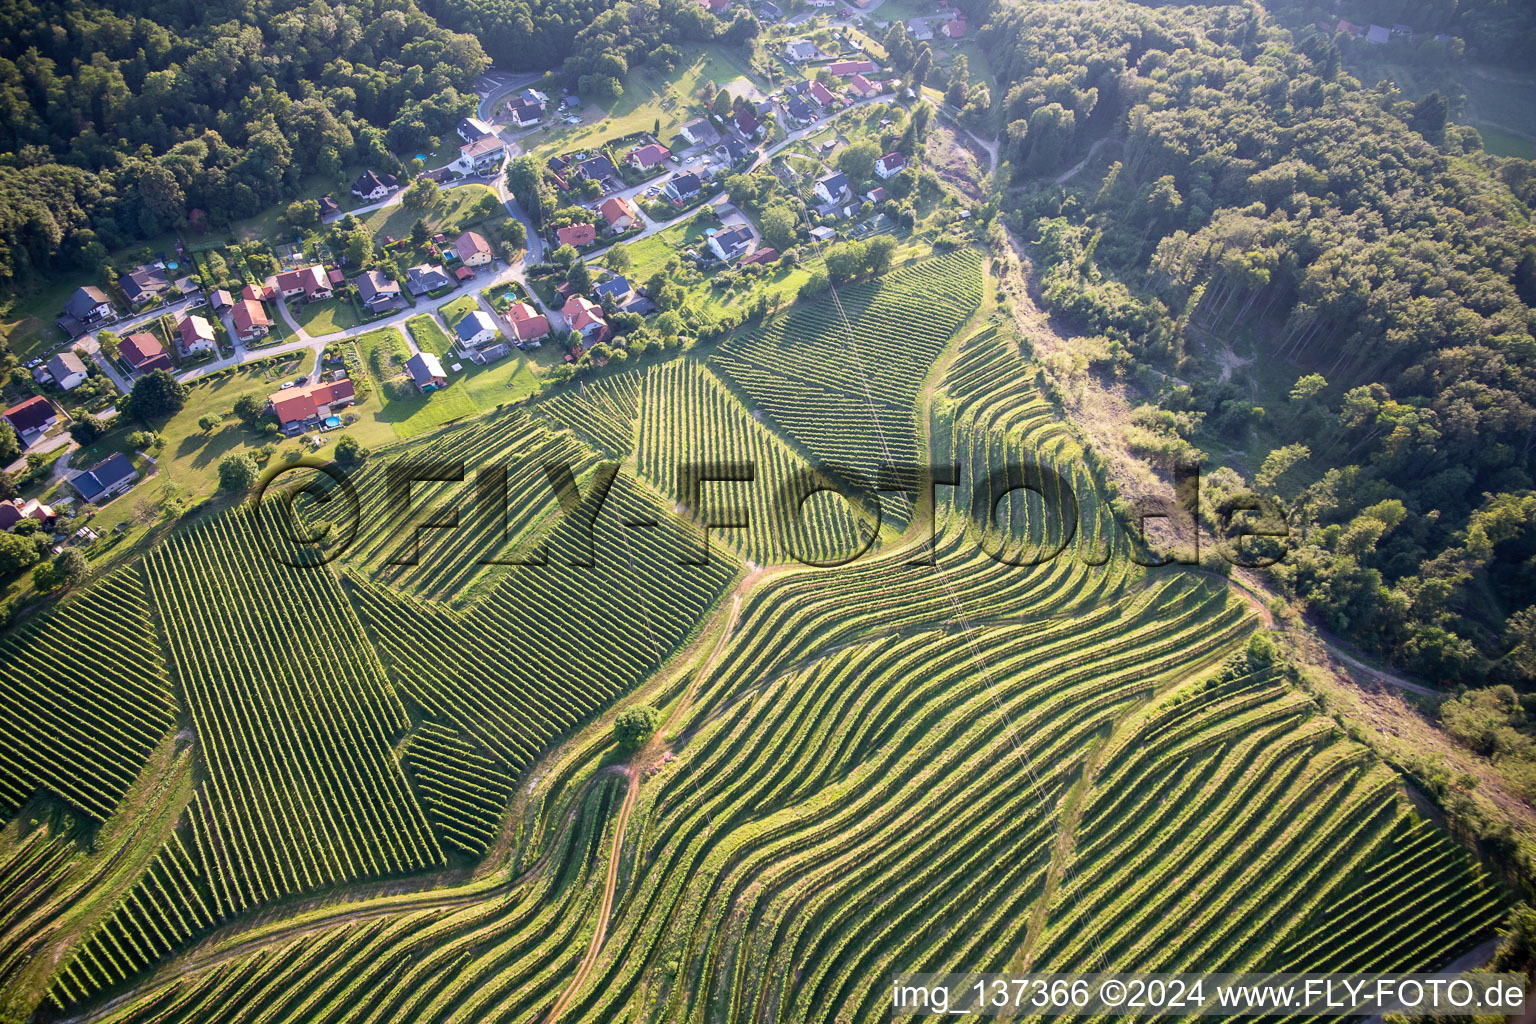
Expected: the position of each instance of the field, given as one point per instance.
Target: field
(992, 738)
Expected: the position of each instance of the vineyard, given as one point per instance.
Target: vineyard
(994, 741)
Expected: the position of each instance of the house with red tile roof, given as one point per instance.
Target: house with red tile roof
(577, 234)
(528, 324)
(143, 353)
(584, 315)
(196, 335)
(890, 164)
(820, 93)
(299, 406)
(647, 156)
(620, 213)
(473, 249)
(851, 67)
(862, 87)
(250, 319)
(311, 282)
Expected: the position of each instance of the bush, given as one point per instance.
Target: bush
(635, 726)
(237, 471)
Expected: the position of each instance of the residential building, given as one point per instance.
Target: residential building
(768, 11)
(647, 156)
(1378, 34)
(88, 305)
(955, 27)
(256, 294)
(250, 319)
(732, 243)
(699, 132)
(371, 187)
(17, 509)
(890, 165)
(597, 168)
(67, 370)
(832, 187)
(800, 50)
(577, 234)
(143, 353)
(747, 123)
(715, 6)
(377, 292)
(823, 234)
(304, 406)
(876, 194)
(821, 94)
(620, 213)
(472, 129)
(196, 336)
(766, 255)
(329, 208)
(476, 329)
(30, 419)
(683, 187)
(473, 249)
(484, 156)
(143, 283)
(220, 300)
(919, 30)
(844, 68)
(426, 372)
(105, 480)
(528, 109)
(584, 315)
(312, 282)
(427, 277)
(799, 110)
(616, 289)
(528, 324)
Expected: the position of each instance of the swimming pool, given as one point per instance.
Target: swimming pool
(333, 421)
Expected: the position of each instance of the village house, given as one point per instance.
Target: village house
(32, 418)
(17, 509)
(715, 6)
(615, 290)
(620, 213)
(312, 282)
(682, 187)
(890, 165)
(377, 292)
(862, 88)
(473, 249)
(647, 156)
(584, 316)
(221, 301)
(484, 156)
(731, 243)
(577, 234)
(747, 123)
(528, 109)
(426, 372)
(799, 50)
(105, 480)
(844, 68)
(143, 353)
(597, 168)
(699, 132)
(919, 30)
(831, 188)
(297, 408)
(472, 129)
(250, 319)
(955, 27)
(196, 336)
(427, 277)
(528, 324)
(85, 307)
(768, 12)
(67, 370)
(143, 283)
(821, 94)
(372, 187)
(476, 329)
(328, 207)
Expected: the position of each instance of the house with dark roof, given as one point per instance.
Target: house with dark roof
(426, 372)
(800, 50)
(699, 132)
(732, 243)
(31, 418)
(832, 187)
(1378, 34)
(616, 289)
(683, 187)
(377, 292)
(328, 207)
(597, 168)
(143, 353)
(471, 129)
(370, 186)
(250, 319)
(890, 165)
(475, 329)
(143, 283)
(747, 123)
(427, 277)
(67, 370)
(88, 305)
(196, 335)
(17, 509)
(105, 480)
(220, 300)
(799, 110)
(528, 108)
(769, 11)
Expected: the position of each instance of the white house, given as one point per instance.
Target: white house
(731, 243)
(483, 156)
(67, 370)
(890, 165)
(832, 187)
(476, 329)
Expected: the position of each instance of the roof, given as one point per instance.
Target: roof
(820, 93)
(767, 255)
(522, 111)
(367, 182)
(427, 277)
(616, 207)
(463, 273)
(424, 368)
(140, 348)
(481, 146)
(194, 329)
(746, 121)
(249, 313)
(372, 284)
(220, 299)
(144, 280)
(84, 300)
(102, 477)
(834, 182)
(684, 183)
(298, 404)
(472, 243)
(700, 130)
(527, 322)
(875, 194)
(33, 414)
(850, 67)
(311, 279)
(473, 323)
(616, 287)
(581, 311)
(577, 234)
(955, 28)
(1378, 34)
(65, 364)
(473, 128)
(597, 167)
(328, 206)
(730, 240)
(891, 162)
(649, 155)
(800, 48)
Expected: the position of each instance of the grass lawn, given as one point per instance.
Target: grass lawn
(326, 316)
(383, 352)
(429, 334)
(453, 312)
(1503, 143)
(32, 336)
(650, 254)
(453, 214)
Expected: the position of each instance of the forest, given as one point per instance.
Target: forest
(1352, 234)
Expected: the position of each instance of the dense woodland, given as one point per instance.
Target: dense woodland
(1365, 246)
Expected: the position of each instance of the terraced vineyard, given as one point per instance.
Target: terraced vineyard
(999, 744)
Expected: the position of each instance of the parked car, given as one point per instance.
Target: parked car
(285, 385)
